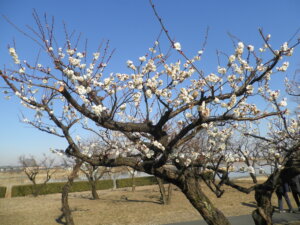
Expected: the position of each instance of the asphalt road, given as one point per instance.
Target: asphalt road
(278, 218)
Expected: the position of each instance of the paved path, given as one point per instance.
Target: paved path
(278, 218)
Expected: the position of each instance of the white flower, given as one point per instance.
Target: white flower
(98, 109)
(13, 53)
(216, 100)
(188, 115)
(70, 52)
(250, 48)
(22, 70)
(96, 55)
(284, 67)
(78, 138)
(79, 54)
(231, 58)
(177, 46)
(283, 103)
(74, 61)
(45, 81)
(123, 107)
(240, 48)
(222, 70)
(158, 145)
(50, 49)
(274, 94)
(249, 89)
(81, 90)
(148, 93)
(142, 58)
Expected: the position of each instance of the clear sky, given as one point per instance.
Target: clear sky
(132, 28)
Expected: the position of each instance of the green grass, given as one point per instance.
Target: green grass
(2, 192)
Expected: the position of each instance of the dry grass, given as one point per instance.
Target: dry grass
(119, 207)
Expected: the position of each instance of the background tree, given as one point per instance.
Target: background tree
(38, 172)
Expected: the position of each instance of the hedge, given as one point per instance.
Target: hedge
(51, 188)
(2, 192)
(139, 181)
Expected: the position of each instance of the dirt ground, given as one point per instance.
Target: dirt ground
(119, 207)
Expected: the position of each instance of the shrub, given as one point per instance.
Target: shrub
(2, 192)
(139, 181)
(51, 188)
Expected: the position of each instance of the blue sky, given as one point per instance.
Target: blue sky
(132, 28)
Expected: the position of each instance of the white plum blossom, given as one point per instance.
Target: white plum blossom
(158, 145)
(283, 103)
(249, 89)
(123, 106)
(74, 61)
(79, 55)
(177, 46)
(14, 55)
(81, 90)
(221, 70)
(142, 58)
(148, 93)
(70, 52)
(213, 78)
(250, 48)
(274, 94)
(188, 115)
(284, 67)
(22, 70)
(240, 48)
(98, 109)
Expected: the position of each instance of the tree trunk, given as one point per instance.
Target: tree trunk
(253, 178)
(170, 189)
(94, 190)
(192, 190)
(162, 190)
(114, 179)
(133, 181)
(65, 194)
(263, 214)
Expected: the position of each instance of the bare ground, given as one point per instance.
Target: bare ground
(119, 207)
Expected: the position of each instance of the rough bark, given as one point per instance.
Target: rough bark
(66, 211)
(263, 214)
(192, 190)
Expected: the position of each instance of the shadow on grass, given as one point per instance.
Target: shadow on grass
(249, 204)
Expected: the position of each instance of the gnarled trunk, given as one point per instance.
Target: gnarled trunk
(263, 214)
(192, 190)
(65, 194)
